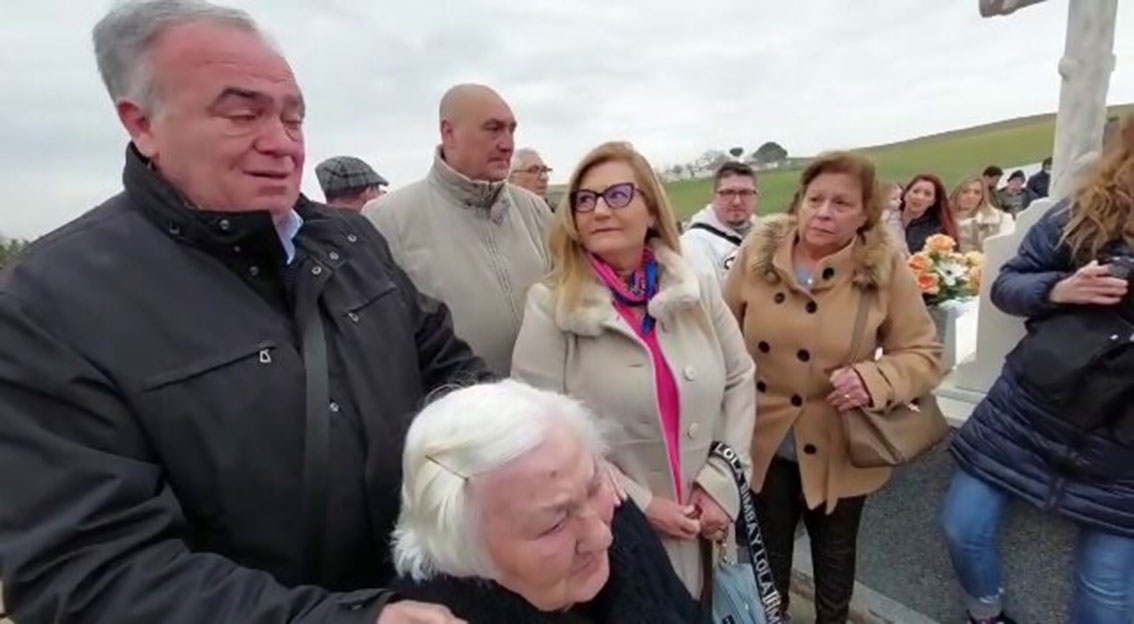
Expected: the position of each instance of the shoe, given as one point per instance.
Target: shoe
(1000, 619)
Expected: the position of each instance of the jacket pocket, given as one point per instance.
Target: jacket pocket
(261, 350)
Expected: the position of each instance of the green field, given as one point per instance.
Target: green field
(951, 155)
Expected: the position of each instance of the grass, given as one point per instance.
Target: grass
(951, 155)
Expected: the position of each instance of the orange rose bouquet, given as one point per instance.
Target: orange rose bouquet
(943, 274)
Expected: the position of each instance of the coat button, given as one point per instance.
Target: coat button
(254, 271)
(334, 407)
(316, 270)
(828, 273)
(692, 431)
(353, 316)
(224, 225)
(780, 297)
(333, 255)
(797, 400)
(351, 238)
(764, 347)
(812, 307)
(690, 373)
(761, 386)
(809, 449)
(803, 355)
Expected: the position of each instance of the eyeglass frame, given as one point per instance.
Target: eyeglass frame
(737, 193)
(574, 197)
(535, 170)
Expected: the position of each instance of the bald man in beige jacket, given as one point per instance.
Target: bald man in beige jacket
(464, 234)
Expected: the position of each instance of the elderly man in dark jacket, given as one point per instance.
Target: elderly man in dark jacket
(1057, 427)
(205, 381)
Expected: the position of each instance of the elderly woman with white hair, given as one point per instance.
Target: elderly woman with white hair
(508, 516)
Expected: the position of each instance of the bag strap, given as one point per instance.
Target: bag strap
(732, 238)
(317, 434)
(753, 539)
(859, 332)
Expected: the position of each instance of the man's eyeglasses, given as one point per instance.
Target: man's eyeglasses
(615, 196)
(536, 170)
(735, 193)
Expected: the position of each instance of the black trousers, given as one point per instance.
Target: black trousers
(779, 507)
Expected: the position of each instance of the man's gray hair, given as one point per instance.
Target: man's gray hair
(123, 38)
(465, 434)
(520, 155)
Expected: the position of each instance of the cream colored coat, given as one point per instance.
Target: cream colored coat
(478, 246)
(798, 337)
(592, 354)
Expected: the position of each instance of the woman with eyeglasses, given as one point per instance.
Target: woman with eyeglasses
(624, 324)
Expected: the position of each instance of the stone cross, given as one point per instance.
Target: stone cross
(1088, 60)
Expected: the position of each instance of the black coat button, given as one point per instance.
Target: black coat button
(803, 355)
(764, 347)
(761, 386)
(828, 273)
(780, 297)
(812, 307)
(809, 449)
(797, 400)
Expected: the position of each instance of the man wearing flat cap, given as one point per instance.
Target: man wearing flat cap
(349, 182)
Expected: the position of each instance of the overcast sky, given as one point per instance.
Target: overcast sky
(673, 77)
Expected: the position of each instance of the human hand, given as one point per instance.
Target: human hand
(410, 612)
(672, 519)
(714, 519)
(1091, 285)
(850, 392)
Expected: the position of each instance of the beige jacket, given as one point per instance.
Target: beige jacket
(798, 337)
(475, 245)
(986, 223)
(592, 354)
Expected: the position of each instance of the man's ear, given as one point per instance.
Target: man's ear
(139, 124)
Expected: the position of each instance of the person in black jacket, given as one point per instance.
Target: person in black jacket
(509, 517)
(205, 381)
(1057, 427)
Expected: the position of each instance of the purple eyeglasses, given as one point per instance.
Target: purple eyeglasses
(616, 196)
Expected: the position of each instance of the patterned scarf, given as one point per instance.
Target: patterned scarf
(637, 289)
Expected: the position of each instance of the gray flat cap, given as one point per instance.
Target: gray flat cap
(341, 174)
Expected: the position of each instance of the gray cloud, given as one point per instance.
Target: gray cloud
(675, 77)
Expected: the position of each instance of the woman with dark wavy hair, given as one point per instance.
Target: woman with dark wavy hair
(925, 211)
(1057, 427)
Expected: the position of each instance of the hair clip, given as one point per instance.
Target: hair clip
(446, 468)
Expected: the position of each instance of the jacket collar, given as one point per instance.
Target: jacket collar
(471, 194)
(708, 216)
(868, 261)
(678, 288)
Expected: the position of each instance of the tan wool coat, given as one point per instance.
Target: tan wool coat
(592, 354)
(798, 337)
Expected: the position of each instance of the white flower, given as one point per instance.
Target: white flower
(951, 273)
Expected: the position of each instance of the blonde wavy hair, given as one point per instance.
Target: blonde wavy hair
(570, 269)
(955, 198)
(1103, 208)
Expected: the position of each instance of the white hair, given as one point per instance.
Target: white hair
(123, 38)
(465, 434)
(519, 155)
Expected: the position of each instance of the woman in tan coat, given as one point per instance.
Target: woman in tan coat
(624, 324)
(795, 288)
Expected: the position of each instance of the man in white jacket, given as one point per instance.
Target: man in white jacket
(715, 233)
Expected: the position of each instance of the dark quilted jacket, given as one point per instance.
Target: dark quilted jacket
(1025, 439)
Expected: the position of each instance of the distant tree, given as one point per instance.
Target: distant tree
(770, 152)
(9, 249)
(736, 152)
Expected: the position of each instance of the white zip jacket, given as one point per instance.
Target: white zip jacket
(710, 245)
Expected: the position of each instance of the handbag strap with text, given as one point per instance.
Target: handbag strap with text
(754, 540)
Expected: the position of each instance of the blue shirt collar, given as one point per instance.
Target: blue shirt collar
(287, 230)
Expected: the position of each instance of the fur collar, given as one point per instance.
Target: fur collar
(678, 288)
(871, 259)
